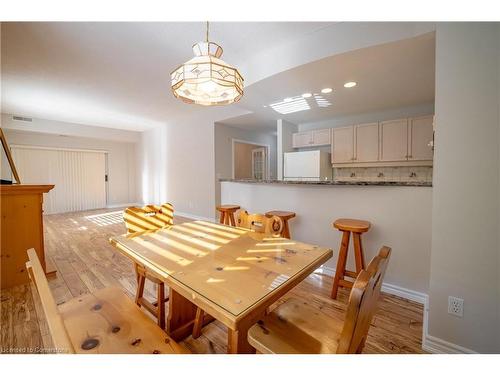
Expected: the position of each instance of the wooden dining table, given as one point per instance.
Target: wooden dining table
(233, 274)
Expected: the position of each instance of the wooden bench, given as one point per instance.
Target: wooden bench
(106, 321)
(294, 327)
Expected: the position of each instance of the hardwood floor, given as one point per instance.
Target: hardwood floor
(77, 244)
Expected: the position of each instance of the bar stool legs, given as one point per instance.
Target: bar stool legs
(227, 214)
(348, 226)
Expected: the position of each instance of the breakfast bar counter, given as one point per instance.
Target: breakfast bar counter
(333, 183)
(400, 213)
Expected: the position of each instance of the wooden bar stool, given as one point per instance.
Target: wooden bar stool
(227, 214)
(285, 216)
(346, 226)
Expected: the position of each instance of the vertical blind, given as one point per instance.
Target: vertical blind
(78, 176)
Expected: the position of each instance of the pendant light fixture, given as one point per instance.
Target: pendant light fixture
(206, 79)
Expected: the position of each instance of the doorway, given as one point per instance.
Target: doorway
(250, 160)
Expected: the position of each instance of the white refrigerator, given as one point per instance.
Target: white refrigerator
(307, 166)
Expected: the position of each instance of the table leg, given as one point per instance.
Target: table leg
(181, 316)
(237, 341)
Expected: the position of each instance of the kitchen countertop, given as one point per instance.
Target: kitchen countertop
(332, 183)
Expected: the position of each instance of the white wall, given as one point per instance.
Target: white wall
(122, 176)
(224, 135)
(465, 213)
(400, 217)
(177, 163)
(285, 130)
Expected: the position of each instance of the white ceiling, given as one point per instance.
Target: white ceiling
(392, 75)
(117, 74)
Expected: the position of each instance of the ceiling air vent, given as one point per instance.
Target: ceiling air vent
(19, 118)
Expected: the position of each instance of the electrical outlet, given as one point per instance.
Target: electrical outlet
(455, 306)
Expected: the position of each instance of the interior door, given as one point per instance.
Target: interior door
(367, 143)
(394, 140)
(259, 163)
(343, 145)
(78, 176)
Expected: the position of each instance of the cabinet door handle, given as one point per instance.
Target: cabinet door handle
(410, 156)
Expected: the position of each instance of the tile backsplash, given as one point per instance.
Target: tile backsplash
(420, 174)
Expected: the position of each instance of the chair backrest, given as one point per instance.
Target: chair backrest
(362, 305)
(57, 329)
(140, 219)
(260, 223)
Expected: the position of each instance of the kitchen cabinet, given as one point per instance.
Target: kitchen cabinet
(420, 138)
(394, 140)
(343, 145)
(320, 137)
(303, 139)
(367, 142)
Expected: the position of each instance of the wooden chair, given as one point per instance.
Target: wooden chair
(295, 327)
(106, 321)
(285, 216)
(140, 219)
(272, 226)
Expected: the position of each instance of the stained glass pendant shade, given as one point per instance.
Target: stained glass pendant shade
(206, 79)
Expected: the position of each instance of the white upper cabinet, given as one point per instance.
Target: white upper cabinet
(303, 139)
(420, 137)
(343, 145)
(394, 140)
(367, 142)
(320, 137)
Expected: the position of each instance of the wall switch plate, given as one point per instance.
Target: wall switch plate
(455, 306)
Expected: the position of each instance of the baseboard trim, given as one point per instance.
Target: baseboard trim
(191, 216)
(436, 345)
(430, 343)
(123, 205)
(394, 290)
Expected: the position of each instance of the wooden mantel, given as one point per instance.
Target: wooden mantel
(21, 223)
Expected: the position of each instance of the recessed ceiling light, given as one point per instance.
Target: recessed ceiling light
(326, 90)
(287, 100)
(350, 84)
(307, 95)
